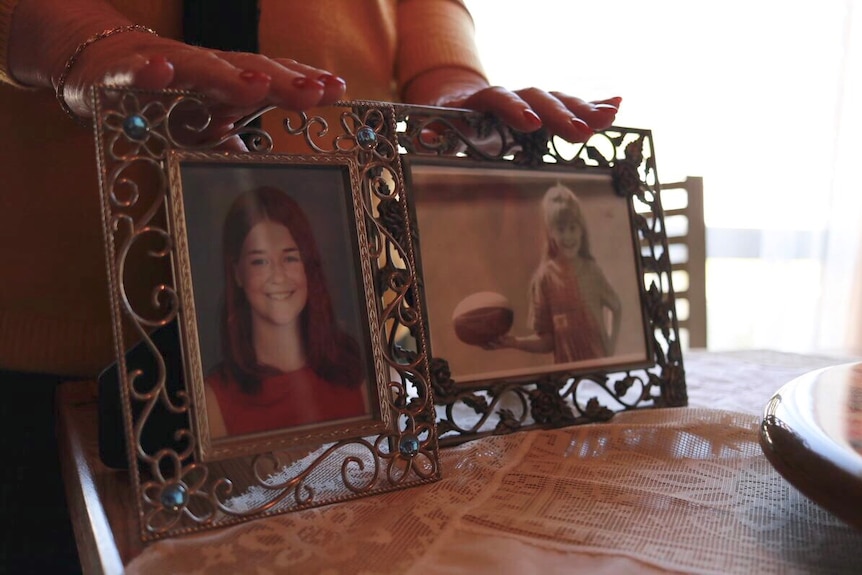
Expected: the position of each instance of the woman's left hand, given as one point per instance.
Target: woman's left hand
(526, 110)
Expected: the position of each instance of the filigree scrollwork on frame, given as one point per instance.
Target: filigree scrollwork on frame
(460, 162)
(166, 187)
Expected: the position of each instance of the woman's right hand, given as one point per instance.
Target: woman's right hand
(44, 34)
(236, 82)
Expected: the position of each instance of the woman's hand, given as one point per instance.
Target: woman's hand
(526, 110)
(44, 34)
(237, 82)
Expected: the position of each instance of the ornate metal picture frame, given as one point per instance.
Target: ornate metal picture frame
(485, 201)
(169, 195)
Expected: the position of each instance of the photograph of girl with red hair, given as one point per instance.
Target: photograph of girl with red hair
(285, 362)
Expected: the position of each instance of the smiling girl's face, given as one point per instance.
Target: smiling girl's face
(568, 234)
(271, 273)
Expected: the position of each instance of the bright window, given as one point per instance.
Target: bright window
(748, 94)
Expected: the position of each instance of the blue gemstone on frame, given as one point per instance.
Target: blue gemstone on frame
(409, 445)
(174, 496)
(366, 137)
(136, 127)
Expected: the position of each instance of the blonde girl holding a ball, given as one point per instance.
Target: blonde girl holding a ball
(573, 310)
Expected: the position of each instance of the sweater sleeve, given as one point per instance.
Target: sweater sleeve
(434, 34)
(7, 9)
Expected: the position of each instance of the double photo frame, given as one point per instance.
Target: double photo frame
(315, 315)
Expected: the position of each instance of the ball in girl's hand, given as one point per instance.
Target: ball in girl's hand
(482, 317)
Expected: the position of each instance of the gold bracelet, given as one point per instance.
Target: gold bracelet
(61, 83)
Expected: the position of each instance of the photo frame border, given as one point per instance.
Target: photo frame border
(173, 490)
(415, 165)
(207, 449)
(562, 398)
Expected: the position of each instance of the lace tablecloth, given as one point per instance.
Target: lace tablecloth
(666, 490)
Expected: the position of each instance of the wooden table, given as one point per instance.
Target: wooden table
(741, 516)
(99, 498)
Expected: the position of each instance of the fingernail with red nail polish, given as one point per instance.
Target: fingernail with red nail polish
(158, 60)
(616, 101)
(533, 118)
(330, 80)
(605, 108)
(581, 126)
(253, 76)
(304, 83)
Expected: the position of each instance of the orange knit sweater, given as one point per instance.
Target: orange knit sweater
(54, 310)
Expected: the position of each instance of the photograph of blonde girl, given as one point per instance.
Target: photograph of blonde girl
(542, 276)
(285, 360)
(573, 310)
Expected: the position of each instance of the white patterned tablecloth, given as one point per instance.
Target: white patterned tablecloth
(653, 491)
